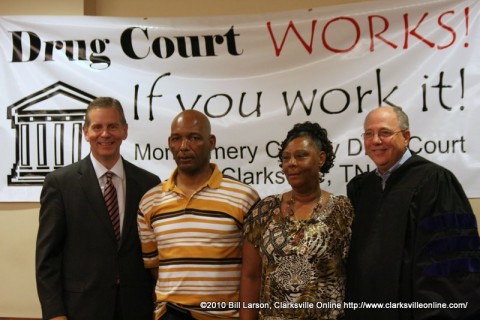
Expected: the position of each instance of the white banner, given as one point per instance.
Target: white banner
(254, 76)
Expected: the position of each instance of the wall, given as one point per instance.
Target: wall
(19, 221)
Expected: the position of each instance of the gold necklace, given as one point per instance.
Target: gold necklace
(296, 236)
(291, 203)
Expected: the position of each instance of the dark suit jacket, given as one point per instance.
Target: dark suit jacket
(79, 264)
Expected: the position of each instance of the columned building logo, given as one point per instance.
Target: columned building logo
(48, 132)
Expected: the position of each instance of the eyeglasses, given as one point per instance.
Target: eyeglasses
(383, 134)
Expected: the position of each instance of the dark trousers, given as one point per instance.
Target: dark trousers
(118, 306)
(176, 313)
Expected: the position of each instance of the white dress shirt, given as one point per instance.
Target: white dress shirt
(118, 180)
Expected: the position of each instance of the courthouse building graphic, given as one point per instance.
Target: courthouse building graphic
(48, 132)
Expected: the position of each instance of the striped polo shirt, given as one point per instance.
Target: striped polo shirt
(196, 243)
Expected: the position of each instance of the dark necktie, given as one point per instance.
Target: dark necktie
(110, 196)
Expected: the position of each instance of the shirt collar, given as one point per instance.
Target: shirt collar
(406, 155)
(100, 169)
(213, 182)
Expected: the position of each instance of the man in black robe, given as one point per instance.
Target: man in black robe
(415, 248)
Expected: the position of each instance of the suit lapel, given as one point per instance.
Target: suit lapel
(132, 198)
(93, 194)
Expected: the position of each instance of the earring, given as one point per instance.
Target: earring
(320, 177)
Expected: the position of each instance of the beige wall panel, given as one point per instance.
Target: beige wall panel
(181, 8)
(41, 7)
(18, 231)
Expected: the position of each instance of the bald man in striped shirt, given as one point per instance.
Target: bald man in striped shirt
(190, 228)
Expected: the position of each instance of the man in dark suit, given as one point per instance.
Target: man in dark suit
(89, 265)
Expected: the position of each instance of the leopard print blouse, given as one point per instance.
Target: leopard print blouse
(303, 261)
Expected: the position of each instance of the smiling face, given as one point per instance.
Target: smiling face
(301, 163)
(190, 142)
(385, 152)
(105, 133)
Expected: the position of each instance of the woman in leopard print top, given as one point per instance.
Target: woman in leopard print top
(296, 243)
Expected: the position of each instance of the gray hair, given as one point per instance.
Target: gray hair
(401, 116)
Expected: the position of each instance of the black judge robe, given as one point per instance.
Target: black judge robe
(414, 241)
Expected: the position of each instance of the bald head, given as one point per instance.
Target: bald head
(193, 118)
(190, 142)
(401, 116)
